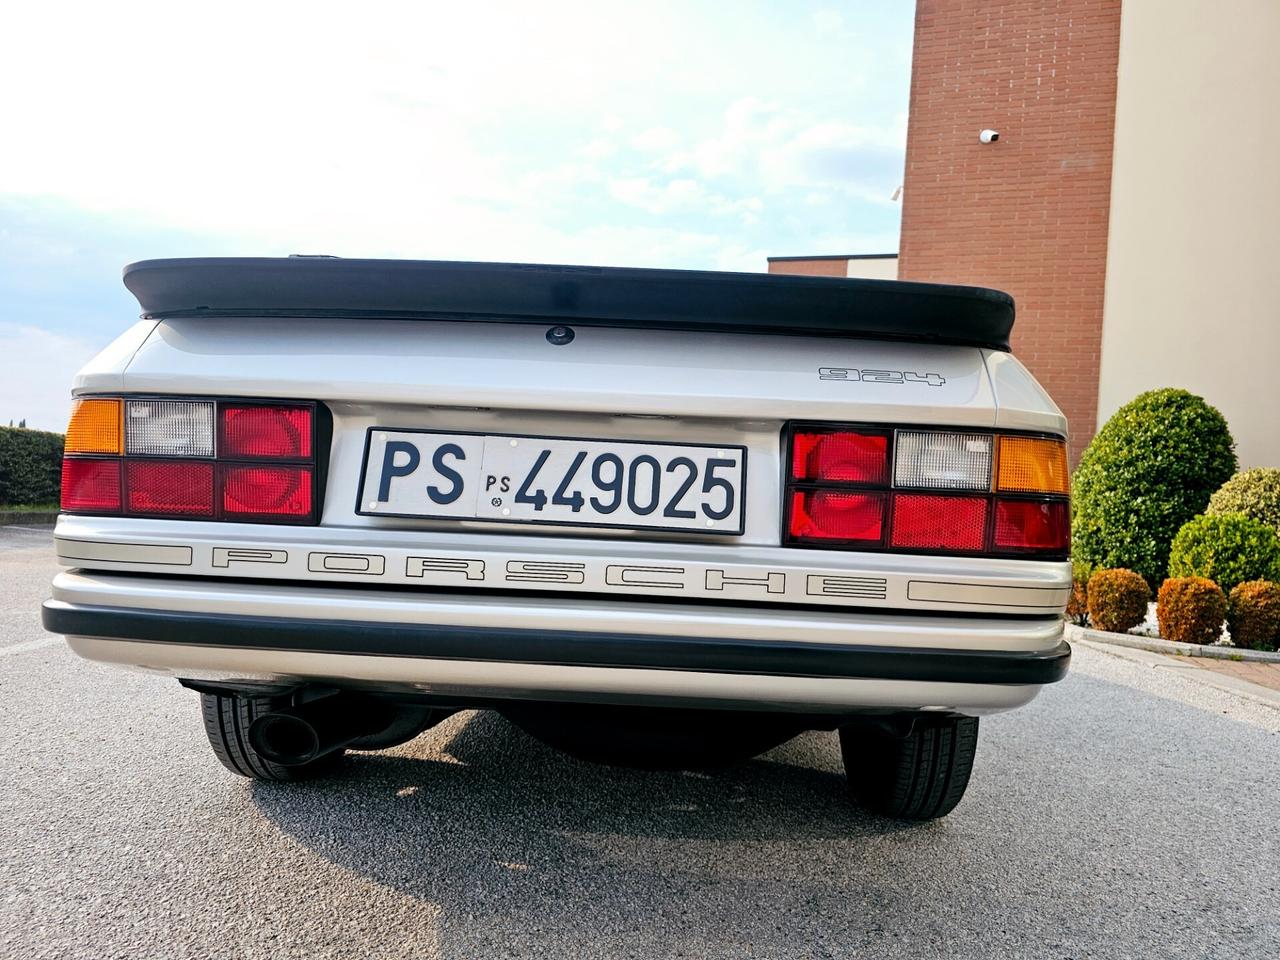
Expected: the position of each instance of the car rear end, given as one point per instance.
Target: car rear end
(476, 485)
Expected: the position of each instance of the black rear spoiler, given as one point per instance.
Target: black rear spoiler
(587, 296)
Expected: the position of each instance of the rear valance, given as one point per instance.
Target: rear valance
(588, 296)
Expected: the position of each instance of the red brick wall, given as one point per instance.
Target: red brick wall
(1027, 214)
(817, 267)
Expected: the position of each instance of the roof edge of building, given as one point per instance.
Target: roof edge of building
(836, 256)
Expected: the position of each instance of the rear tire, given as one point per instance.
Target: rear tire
(227, 718)
(919, 776)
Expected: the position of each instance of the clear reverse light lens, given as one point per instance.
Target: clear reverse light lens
(169, 428)
(942, 461)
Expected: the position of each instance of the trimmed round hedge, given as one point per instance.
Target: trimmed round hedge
(1255, 493)
(1150, 469)
(1228, 549)
(1253, 615)
(1117, 600)
(1190, 610)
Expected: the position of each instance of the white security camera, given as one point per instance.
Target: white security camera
(989, 136)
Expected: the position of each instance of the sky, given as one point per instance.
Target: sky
(694, 135)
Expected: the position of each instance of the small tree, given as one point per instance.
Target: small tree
(1150, 469)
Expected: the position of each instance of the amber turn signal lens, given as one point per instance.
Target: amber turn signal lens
(94, 427)
(1032, 465)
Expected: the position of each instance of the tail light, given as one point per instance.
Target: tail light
(842, 515)
(941, 523)
(165, 488)
(91, 486)
(241, 460)
(926, 491)
(261, 491)
(264, 433)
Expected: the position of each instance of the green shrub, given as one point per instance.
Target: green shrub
(30, 466)
(1253, 615)
(1228, 549)
(1255, 493)
(1150, 469)
(1190, 610)
(1118, 600)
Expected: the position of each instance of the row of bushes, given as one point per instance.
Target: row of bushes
(30, 466)
(1157, 503)
(1158, 463)
(1189, 609)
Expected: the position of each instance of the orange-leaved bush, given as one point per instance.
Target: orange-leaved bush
(1118, 600)
(1253, 615)
(1191, 610)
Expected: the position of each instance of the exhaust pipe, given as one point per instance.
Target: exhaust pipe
(293, 736)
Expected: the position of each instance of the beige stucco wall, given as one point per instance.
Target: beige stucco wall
(1193, 287)
(873, 268)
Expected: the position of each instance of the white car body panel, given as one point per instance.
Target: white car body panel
(510, 367)
(105, 372)
(668, 386)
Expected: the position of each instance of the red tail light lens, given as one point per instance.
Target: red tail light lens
(264, 432)
(1032, 525)
(946, 491)
(193, 457)
(836, 515)
(169, 488)
(267, 492)
(91, 486)
(953, 524)
(840, 456)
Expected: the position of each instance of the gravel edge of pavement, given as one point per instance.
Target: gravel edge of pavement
(1169, 647)
(1232, 685)
(22, 517)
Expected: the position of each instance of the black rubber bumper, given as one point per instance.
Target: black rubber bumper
(700, 654)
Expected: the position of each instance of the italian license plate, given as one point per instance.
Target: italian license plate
(599, 483)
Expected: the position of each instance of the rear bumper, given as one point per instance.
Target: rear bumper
(631, 651)
(482, 647)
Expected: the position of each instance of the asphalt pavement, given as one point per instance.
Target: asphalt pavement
(1128, 812)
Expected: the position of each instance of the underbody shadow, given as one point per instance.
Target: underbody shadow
(492, 825)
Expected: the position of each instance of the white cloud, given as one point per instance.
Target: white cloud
(655, 140)
(302, 126)
(781, 148)
(36, 370)
(683, 194)
(828, 20)
(672, 136)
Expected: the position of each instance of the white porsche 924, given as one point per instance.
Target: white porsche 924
(655, 517)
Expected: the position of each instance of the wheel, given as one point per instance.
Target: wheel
(915, 775)
(227, 717)
(652, 738)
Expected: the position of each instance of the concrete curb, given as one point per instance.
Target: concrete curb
(24, 517)
(1168, 647)
(1180, 665)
